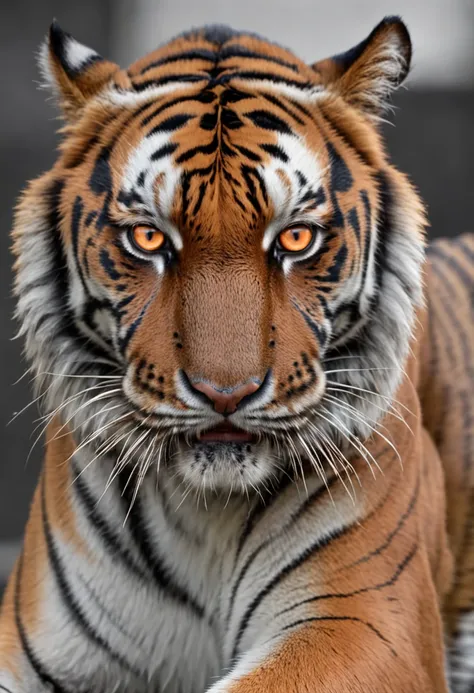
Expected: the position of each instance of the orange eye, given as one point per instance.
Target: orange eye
(147, 239)
(295, 238)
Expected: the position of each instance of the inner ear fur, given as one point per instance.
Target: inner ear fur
(367, 74)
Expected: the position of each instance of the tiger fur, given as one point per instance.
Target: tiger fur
(323, 540)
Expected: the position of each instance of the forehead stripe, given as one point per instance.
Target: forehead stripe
(196, 54)
(261, 76)
(237, 51)
(277, 102)
(163, 151)
(200, 97)
(268, 121)
(209, 148)
(275, 151)
(141, 86)
(172, 123)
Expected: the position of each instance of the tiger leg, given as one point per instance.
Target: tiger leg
(364, 644)
(365, 614)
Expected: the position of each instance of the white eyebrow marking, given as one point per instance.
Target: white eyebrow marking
(157, 203)
(302, 160)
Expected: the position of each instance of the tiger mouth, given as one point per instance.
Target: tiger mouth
(225, 433)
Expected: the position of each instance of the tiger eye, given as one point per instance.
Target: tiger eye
(296, 238)
(147, 239)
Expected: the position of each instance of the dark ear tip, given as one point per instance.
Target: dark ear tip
(55, 30)
(57, 36)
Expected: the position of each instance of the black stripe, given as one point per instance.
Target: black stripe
(283, 573)
(209, 148)
(59, 275)
(163, 151)
(171, 124)
(275, 151)
(384, 226)
(150, 553)
(251, 193)
(38, 667)
(279, 103)
(233, 95)
(317, 329)
(252, 521)
(57, 246)
(115, 550)
(248, 153)
(384, 262)
(355, 619)
(202, 190)
(268, 121)
(363, 590)
(2, 688)
(201, 97)
(133, 327)
(141, 86)
(69, 599)
(353, 220)
(195, 54)
(230, 120)
(368, 237)
(208, 121)
(261, 183)
(104, 612)
(236, 51)
(404, 517)
(77, 214)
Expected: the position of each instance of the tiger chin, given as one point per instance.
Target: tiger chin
(241, 350)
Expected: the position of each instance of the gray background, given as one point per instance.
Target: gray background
(433, 137)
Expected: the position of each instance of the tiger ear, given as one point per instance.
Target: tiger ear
(72, 71)
(367, 74)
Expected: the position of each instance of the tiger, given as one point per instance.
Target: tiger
(256, 384)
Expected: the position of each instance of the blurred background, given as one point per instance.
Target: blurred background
(431, 136)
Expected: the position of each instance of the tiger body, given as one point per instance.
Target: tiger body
(313, 554)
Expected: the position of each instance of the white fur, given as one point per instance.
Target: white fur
(77, 54)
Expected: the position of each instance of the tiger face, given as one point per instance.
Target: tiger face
(219, 276)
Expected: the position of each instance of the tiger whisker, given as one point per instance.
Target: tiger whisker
(345, 462)
(314, 459)
(352, 439)
(332, 465)
(390, 410)
(371, 392)
(364, 420)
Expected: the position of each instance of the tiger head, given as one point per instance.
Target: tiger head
(220, 274)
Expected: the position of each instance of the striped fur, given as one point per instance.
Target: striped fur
(314, 556)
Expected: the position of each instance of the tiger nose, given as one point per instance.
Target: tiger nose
(226, 400)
